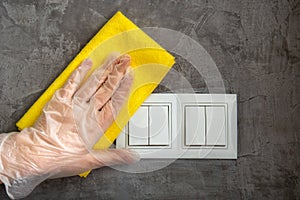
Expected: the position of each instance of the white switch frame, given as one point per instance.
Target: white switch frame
(177, 148)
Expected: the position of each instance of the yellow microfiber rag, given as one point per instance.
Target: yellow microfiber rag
(149, 61)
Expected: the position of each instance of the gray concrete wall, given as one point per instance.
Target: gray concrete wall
(255, 44)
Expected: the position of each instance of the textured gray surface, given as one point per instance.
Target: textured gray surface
(256, 46)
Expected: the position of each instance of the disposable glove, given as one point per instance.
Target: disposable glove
(60, 143)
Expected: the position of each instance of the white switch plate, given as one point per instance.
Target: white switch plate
(194, 126)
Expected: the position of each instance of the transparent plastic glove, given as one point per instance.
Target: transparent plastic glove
(60, 143)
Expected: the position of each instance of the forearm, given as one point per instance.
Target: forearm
(16, 152)
(30, 157)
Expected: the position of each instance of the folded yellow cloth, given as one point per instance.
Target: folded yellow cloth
(150, 63)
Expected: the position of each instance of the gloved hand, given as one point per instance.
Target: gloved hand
(60, 142)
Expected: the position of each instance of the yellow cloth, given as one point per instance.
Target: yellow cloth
(150, 63)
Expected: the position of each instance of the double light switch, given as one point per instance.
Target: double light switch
(205, 125)
(150, 126)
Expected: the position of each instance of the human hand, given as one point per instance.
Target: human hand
(60, 142)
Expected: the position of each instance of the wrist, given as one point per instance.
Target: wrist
(4, 157)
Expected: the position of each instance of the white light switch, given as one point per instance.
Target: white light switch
(215, 123)
(194, 125)
(138, 127)
(159, 125)
(187, 126)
